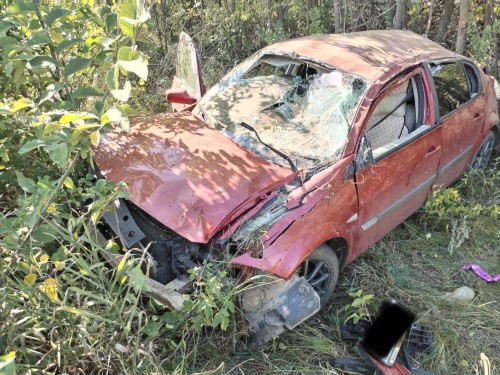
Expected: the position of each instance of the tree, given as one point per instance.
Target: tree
(399, 17)
(337, 15)
(431, 11)
(445, 21)
(462, 25)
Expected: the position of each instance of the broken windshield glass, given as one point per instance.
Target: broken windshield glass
(302, 109)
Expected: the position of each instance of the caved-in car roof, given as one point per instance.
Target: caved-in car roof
(366, 53)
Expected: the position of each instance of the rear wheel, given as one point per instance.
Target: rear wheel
(483, 155)
(321, 270)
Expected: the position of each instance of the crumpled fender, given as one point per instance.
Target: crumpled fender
(323, 214)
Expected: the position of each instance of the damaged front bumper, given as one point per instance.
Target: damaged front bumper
(269, 308)
(273, 307)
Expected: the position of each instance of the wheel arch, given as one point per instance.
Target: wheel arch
(339, 246)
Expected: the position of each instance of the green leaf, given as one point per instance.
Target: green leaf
(58, 153)
(83, 92)
(68, 43)
(137, 279)
(152, 329)
(25, 183)
(86, 313)
(128, 109)
(106, 42)
(68, 182)
(111, 22)
(30, 145)
(42, 62)
(99, 105)
(5, 26)
(7, 364)
(95, 137)
(170, 318)
(21, 6)
(21, 104)
(55, 14)
(8, 69)
(38, 39)
(124, 93)
(7, 40)
(138, 66)
(126, 12)
(123, 53)
(70, 117)
(75, 65)
(112, 78)
(357, 302)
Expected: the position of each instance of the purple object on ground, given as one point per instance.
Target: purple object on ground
(482, 273)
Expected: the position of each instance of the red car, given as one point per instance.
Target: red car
(298, 160)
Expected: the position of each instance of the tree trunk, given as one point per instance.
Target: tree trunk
(281, 14)
(431, 11)
(445, 21)
(462, 25)
(337, 13)
(488, 12)
(308, 16)
(399, 17)
(389, 15)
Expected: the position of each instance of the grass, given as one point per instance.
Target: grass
(99, 323)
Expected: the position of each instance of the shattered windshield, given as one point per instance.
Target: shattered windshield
(303, 109)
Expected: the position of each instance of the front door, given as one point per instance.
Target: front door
(406, 153)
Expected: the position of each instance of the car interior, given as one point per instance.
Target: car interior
(396, 118)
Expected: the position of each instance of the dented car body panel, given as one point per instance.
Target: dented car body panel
(192, 186)
(372, 121)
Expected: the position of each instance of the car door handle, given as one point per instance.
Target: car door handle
(432, 150)
(477, 116)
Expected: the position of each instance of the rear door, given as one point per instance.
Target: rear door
(187, 72)
(460, 106)
(400, 166)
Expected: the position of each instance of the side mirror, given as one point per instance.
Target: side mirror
(179, 96)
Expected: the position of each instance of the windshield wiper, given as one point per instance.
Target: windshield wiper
(284, 156)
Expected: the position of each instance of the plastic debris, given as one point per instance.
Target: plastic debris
(482, 273)
(464, 293)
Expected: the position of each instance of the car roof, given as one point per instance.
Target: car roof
(366, 53)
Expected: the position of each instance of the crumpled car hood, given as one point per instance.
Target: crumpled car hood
(187, 175)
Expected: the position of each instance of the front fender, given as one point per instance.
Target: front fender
(328, 210)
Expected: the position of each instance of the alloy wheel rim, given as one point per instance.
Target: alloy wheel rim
(317, 274)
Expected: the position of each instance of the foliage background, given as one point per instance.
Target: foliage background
(70, 68)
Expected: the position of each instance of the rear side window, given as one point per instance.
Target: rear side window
(451, 84)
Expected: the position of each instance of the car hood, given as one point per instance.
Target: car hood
(187, 175)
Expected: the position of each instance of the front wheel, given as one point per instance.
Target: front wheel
(483, 155)
(321, 270)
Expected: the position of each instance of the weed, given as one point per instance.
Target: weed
(358, 309)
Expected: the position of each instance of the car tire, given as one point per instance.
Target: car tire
(483, 155)
(321, 270)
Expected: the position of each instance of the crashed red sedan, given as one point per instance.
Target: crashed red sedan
(298, 160)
